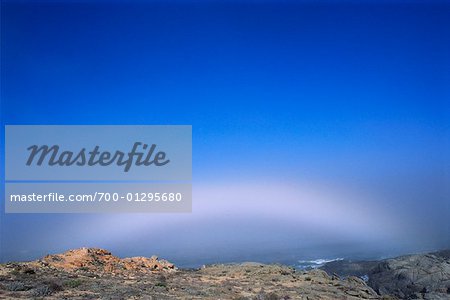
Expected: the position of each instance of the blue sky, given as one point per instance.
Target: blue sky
(322, 97)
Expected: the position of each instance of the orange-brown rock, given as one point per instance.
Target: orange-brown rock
(100, 261)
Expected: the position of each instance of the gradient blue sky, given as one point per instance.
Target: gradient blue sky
(316, 127)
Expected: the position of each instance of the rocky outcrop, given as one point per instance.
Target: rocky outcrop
(421, 276)
(100, 261)
(345, 268)
(413, 277)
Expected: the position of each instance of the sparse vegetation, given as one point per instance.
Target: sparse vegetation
(161, 284)
(47, 289)
(73, 283)
(17, 286)
(42, 291)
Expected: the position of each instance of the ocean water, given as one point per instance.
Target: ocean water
(300, 259)
(314, 264)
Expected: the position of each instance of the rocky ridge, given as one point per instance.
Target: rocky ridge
(90, 273)
(419, 276)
